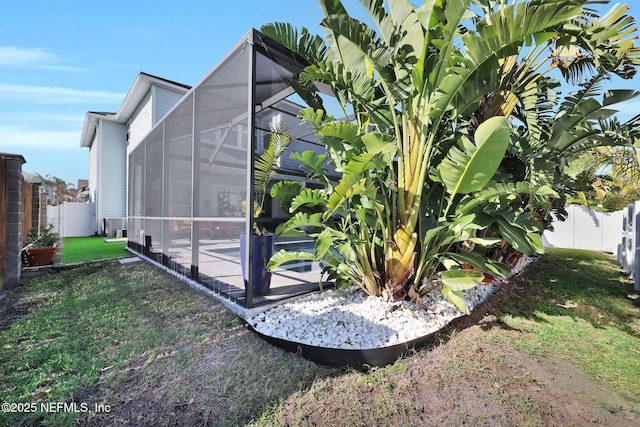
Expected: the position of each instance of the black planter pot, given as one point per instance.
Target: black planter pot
(261, 253)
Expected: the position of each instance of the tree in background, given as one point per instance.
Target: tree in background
(57, 189)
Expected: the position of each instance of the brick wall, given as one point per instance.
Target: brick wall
(17, 213)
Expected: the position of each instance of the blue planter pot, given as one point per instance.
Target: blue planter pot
(261, 253)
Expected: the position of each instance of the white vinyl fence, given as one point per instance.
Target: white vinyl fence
(614, 232)
(73, 219)
(586, 229)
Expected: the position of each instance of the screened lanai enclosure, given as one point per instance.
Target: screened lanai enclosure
(191, 179)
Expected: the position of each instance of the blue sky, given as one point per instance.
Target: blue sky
(62, 58)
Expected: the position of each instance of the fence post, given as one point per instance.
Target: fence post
(13, 218)
(622, 246)
(636, 247)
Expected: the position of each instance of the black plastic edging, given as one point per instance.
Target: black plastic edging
(341, 358)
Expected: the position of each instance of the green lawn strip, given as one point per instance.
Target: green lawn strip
(132, 337)
(82, 249)
(92, 321)
(582, 308)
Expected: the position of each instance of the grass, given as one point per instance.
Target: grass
(132, 337)
(83, 249)
(584, 311)
(154, 352)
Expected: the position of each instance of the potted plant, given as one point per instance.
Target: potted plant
(42, 246)
(262, 243)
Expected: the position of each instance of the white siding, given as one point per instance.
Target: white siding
(111, 172)
(93, 169)
(153, 107)
(165, 100)
(140, 123)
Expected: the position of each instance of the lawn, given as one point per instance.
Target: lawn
(83, 249)
(130, 345)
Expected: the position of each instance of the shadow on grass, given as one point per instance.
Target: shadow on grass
(580, 284)
(577, 284)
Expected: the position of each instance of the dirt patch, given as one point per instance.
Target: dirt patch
(11, 309)
(472, 375)
(579, 399)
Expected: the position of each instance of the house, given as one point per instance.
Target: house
(110, 137)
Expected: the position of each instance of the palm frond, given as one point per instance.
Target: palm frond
(266, 164)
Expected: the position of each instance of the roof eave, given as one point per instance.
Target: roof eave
(91, 120)
(139, 89)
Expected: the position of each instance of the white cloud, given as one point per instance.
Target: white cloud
(14, 138)
(45, 118)
(35, 57)
(58, 95)
(24, 57)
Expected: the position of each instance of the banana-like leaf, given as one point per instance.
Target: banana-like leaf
(460, 280)
(314, 116)
(313, 162)
(308, 45)
(478, 261)
(300, 219)
(497, 268)
(342, 132)
(285, 192)
(470, 170)
(283, 256)
(358, 46)
(519, 238)
(497, 34)
(486, 241)
(382, 145)
(494, 190)
(309, 198)
(468, 222)
(456, 298)
(535, 241)
(348, 186)
(456, 281)
(616, 96)
(367, 214)
(365, 162)
(327, 240)
(474, 259)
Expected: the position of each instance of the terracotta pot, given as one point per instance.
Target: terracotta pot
(40, 256)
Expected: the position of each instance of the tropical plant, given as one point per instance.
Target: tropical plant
(607, 178)
(558, 145)
(265, 168)
(422, 190)
(43, 238)
(550, 135)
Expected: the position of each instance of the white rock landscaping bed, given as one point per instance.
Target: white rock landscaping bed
(351, 320)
